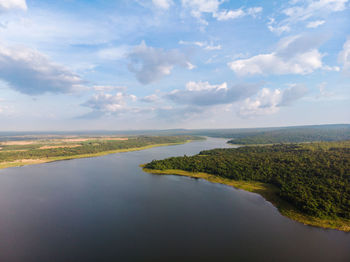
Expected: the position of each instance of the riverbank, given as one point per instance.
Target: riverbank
(25, 162)
(267, 191)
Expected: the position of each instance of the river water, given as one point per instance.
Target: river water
(107, 209)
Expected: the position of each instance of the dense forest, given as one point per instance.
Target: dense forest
(314, 177)
(35, 151)
(294, 135)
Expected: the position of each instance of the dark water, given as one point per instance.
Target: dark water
(107, 209)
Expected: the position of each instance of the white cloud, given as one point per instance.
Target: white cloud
(314, 24)
(269, 101)
(150, 99)
(104, 103)
(265, 103)
(278, 29)
(163, 4)
(200, 7)
(30, 72)
(114, 53)
(213, 47)
(229, 14)
(314, 8)
(253, 11)
(344, 56)
(294, 55)
(292, 94)
(323, 91)
(204, 45)
(205, 94)
(109, 88)
(6, 5)
(302, 11)
(149, 64)
(201, 86)
(302, 64)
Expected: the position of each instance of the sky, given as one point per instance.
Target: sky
(163, 64)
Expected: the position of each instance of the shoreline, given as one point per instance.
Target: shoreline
(268, 192)
(23, 162)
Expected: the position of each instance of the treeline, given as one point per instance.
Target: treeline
(314, 178)
(294, 135)
(88, 147)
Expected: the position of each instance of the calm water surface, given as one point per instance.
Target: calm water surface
(107, 209)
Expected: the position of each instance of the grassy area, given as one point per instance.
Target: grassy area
(269, 192)
(23, 162)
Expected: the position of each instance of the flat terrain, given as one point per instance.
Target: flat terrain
(40, 150)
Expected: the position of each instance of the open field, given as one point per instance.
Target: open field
(29, 152)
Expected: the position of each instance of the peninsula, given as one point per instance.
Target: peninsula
(309, 183)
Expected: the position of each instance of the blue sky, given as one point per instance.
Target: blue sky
(80, 65)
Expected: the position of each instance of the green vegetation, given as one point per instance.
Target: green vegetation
(47, 150)
(307, 182)
(293, 135)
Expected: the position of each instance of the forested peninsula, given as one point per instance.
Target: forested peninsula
(28, 152)
(309, 183)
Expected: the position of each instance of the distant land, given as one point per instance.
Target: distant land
(29, 150)
(39, 147)
(305, 133)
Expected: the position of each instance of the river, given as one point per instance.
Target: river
(107, 209)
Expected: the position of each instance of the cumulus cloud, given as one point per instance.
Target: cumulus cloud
(269, 101)
(6, 5)
(344, 56)
(205, 94)
(30, 72)
(163, 4)
(149, 64)
(107, 104)
(293, 55)
(200, 7)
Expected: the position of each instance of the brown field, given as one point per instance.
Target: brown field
(24, 161)
(17, 143)
(92, 138)
(61, 146)
(56, 141)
